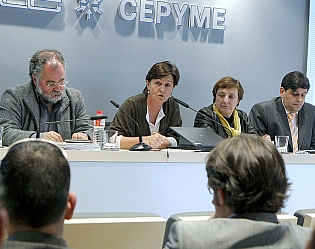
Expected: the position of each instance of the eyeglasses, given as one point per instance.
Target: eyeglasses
(211, 190)
(60, 83)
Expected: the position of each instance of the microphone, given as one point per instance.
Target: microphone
(185, 105)
(67, 120)
(141, 146)
(208, 116)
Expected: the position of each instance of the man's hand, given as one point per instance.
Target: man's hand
(267, 137)
(53, 136)
(80, 136)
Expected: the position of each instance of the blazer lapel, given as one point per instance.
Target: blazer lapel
(30, 101)
(63, 114)
(283, 120)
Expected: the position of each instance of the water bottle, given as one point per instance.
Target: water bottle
(99, 135)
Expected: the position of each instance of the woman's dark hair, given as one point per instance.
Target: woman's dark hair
(162, 69)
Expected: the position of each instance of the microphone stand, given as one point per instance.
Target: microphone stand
(67, 120)
(141, 146)
(205, 115)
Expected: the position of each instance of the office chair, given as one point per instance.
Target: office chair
(187, 216)
(300, 214)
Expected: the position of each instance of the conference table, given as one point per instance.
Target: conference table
(164, 182)
(159, 182)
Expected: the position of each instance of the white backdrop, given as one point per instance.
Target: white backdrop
(108, 57)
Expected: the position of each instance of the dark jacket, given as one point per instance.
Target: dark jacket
(270, 117)
(34, 240)
(207, 118)
(136, 107)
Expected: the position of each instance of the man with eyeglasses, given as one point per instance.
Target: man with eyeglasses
(45, 98)
(247, 178)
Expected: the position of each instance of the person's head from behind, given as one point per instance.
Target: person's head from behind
(246, 174)
(227, 93)
(47, 71)
(161, 80)
(35, 178)
(293, 90)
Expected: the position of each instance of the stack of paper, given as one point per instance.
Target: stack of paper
(79, 146)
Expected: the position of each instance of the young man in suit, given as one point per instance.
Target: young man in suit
(247, 178)
(35, 182)
(288, 114)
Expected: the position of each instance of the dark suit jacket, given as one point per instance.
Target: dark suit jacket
(270, 117)
(34, 240)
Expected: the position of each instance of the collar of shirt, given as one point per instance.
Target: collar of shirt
(155, 127)
(258, 216)
(295, 116)
(45, 116)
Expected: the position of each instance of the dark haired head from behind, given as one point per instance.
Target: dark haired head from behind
(247, 174)
(247, 178)
(35, 178)
(295, 80)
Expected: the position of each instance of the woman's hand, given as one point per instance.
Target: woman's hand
(156, 140)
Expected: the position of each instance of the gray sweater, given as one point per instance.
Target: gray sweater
(20, 113)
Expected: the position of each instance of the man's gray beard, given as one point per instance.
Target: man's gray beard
(46, 97)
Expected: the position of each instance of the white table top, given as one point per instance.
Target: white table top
(167, 155)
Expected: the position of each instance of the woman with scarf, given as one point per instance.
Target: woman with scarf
(222, 116)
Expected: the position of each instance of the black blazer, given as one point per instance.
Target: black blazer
(207, 118)
(270, 117)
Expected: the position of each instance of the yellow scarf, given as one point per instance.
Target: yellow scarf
(236, 131)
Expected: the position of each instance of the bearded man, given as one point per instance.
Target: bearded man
(26, 108)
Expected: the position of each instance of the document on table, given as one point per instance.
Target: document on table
(79, 146)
